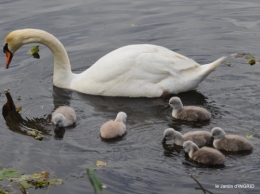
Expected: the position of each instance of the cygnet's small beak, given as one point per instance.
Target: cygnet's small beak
(56, 126)
(164, 140)
(167, 106)
(210, 142)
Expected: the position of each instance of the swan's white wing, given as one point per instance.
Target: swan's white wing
(135, 70)
(144, 62)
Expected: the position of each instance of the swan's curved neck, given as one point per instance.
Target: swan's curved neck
(62, 69)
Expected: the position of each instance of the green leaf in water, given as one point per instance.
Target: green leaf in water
(251, 61)
(25, 184)
(9, 173)
(248, 56)
(227, 63)
(35, 52)
(39, 138)
(33, 133)
(36, 55)
(249, 136)
(3, 192)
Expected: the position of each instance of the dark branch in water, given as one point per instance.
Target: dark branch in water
(201, 187)
(22, 189)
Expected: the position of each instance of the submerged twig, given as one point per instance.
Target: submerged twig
(201, 187)
(22, 189)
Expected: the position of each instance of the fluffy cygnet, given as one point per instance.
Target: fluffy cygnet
(229, 142)
(116, 128)
(200, 138)
(63, 116)
(203, 155)
(189, 113)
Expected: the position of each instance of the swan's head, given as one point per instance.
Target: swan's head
(218, 133)
(59, 120)
(12, 42)
(170, 134)
(175, 103)
(121, 117)
(189, 146)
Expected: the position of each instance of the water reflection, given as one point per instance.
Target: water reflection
(61, 97)
(59, 133)
(17, 123)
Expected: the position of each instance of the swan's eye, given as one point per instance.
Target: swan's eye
(5, 48)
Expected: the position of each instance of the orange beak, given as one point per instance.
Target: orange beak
(9, 57)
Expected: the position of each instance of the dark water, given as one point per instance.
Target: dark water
(137, 163)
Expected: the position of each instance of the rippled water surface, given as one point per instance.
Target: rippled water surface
(137, 163)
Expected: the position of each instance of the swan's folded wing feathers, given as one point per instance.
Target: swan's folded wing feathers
(153, 63)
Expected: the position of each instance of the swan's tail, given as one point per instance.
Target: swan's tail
(205, 70)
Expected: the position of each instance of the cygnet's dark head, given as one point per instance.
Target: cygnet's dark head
(59, 120)
(175, 103)
(218, 133)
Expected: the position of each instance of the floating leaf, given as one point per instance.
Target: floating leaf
(35, 52)
(233, 54)
(25, 184)
(133, 25)
(35, 49)
(3, 192)
(227, 63)
(100, 163)
(36, 55)
(251, 61)
(39, 138)
(249, 56)
(249, 136)
(240, 55)
(56, 181)
(9, 173)
(45, 174)
(33, 133)
(37, 180)
(18, 108)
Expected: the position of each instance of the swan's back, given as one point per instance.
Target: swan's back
(138, 71)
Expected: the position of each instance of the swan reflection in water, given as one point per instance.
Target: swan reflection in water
(18, 124)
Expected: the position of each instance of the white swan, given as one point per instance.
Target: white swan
(130, 71)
